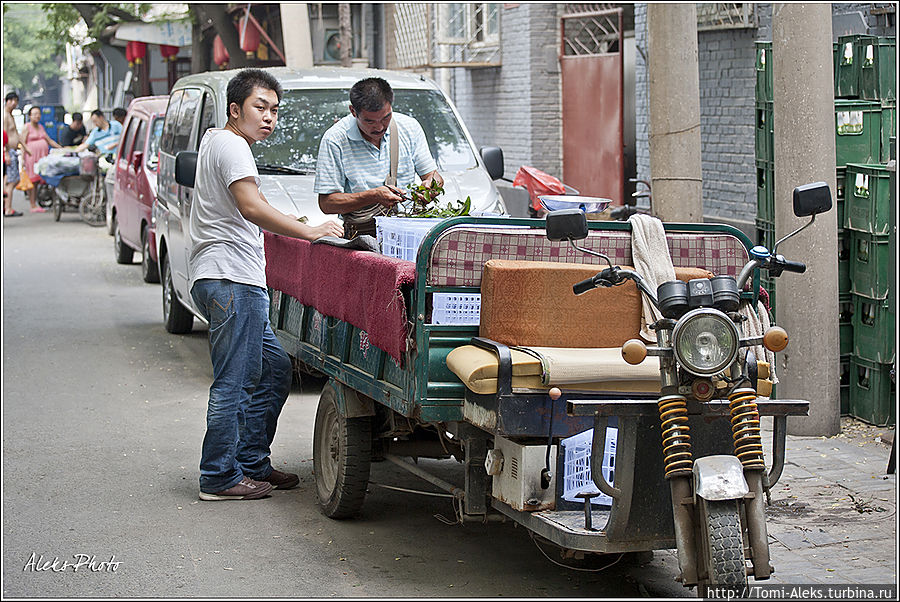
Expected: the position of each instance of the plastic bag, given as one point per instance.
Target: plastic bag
(25, 183)
(537, 183)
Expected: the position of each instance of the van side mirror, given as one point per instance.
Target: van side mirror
(493, 161)
(186, 168)
(811, 199)
(567, 224)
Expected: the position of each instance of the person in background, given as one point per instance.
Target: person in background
(10, 152)
(74, 133)
(355, 160)
(119, 115)
(37, 146)
(105, 135)
(227, 268)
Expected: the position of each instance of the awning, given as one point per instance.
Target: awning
(172, 33)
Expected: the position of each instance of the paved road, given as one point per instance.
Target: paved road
(103, 414)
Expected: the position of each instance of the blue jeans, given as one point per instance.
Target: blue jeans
(251, 382)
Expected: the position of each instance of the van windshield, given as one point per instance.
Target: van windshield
(304, 115)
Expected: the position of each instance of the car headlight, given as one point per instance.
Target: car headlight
(705, 342)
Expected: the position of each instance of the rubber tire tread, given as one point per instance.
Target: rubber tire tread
(726, 547)
(149, 268)
(180, 320)
(349, 492)
(124, 253)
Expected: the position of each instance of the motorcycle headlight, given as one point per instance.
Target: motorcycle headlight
(705, 342)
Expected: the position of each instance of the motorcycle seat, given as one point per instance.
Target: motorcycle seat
(585, 369)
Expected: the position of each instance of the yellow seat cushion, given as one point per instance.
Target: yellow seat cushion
(542, 368)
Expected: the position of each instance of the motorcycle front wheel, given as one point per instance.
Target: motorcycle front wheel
(724, 546)
(92, 207)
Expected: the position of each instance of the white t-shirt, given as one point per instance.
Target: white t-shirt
(224, 245)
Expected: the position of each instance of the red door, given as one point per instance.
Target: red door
(592, 103)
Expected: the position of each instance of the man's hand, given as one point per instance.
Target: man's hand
(387, 196)
(426, 181)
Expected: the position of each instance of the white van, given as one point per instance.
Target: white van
(314, 99)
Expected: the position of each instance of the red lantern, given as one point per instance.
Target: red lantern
(168, 52)
(129, 53)
(140, 51)
(220, 53)
(249, 36)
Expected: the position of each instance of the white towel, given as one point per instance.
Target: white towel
(756, 325)
(650, 255)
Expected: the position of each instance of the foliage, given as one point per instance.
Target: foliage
(27, 57)
(63, 18)
(424, 203)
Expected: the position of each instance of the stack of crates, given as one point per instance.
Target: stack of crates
(865, 121)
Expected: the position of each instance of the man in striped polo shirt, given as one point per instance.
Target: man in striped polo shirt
(354, 158)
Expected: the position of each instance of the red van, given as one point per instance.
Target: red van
(137, 161)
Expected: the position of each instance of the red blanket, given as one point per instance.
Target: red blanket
(354, 286)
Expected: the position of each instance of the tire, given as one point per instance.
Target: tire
(724, 546)
(124, 253)
(92, 207)
(342, 454)
(44, 195)
(57, 208)
(177, 318)
(149, 268)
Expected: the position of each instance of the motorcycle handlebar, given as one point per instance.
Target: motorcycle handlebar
(584, 286)
(793, 266)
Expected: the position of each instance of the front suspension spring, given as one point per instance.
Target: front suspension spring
(745, 428)
(676, 438)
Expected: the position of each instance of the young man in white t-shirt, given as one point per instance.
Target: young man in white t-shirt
(251, 372)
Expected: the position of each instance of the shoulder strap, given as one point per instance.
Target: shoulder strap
(395, 153)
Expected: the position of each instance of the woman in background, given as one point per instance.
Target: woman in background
(37, 146)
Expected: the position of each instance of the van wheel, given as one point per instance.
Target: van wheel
(178, 319)
(342, 453)
(149, 268)
(124, 253)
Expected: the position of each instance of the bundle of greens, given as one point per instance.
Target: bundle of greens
(423, 202)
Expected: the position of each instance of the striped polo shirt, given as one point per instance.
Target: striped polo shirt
(349, 163)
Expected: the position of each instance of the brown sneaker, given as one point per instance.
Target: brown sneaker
(282, 480)
(247, 489)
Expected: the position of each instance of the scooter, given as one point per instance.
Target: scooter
(717, 501)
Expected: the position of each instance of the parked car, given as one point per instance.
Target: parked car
(314, 99)
(135, 184)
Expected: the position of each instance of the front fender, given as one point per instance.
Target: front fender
(719, 478)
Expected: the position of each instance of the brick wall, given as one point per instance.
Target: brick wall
(517, 106)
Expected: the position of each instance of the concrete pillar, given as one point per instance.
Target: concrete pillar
(806, 304)
(295, 32)
(675, 169)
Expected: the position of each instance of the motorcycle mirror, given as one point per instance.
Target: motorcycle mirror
(186, 168)
(811, 199)
(567, 224)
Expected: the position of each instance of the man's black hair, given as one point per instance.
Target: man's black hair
(77, 117)
(241, 85)
(119, 113)
(11, 96)
(97, 112)
(371, 94)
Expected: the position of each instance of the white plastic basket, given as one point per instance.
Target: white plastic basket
(456, 308)
(577, 466)
(400, 237)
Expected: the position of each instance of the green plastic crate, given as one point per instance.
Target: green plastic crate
(846, 333)
(765, 132)
(764, 66)
(857, 131)
(765, 233)
(872, 392)
(840, 176)
(870, 263)
(867, 199)
(888, 129)
(873, 329)
(878, 68)
(845, 385)
(844, 282)
(849, 64)
(765, 192)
